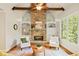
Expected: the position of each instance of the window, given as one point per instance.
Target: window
(70, 29)
(64, 31)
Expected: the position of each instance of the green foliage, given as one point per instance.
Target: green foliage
(70, 29)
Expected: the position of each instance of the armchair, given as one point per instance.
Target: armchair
(25, 42)
(54, 42)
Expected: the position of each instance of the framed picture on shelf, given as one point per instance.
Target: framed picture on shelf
(38, 25)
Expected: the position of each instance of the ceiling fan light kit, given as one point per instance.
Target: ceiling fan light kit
(38, 7)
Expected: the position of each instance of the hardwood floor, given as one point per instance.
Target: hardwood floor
(18, 52)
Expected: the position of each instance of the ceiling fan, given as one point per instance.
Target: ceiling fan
(38, 6)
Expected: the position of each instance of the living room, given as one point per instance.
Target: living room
(34, 29)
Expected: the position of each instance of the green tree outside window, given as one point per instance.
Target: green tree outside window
(70, 29)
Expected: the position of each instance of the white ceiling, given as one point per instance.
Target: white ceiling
(67, 6)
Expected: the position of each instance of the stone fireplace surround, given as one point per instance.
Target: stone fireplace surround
(38, 21)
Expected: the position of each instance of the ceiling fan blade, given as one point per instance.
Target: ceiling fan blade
(57, 9)
(21, 8)
(44, 8)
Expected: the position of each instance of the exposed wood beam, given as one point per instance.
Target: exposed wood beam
(61, 8)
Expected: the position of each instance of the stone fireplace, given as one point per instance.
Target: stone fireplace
(38, 21)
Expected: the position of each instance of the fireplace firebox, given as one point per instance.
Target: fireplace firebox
(38, 38)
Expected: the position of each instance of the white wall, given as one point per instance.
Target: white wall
(2, 30)
(12, 36)
(8, 36)
(8, 17)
